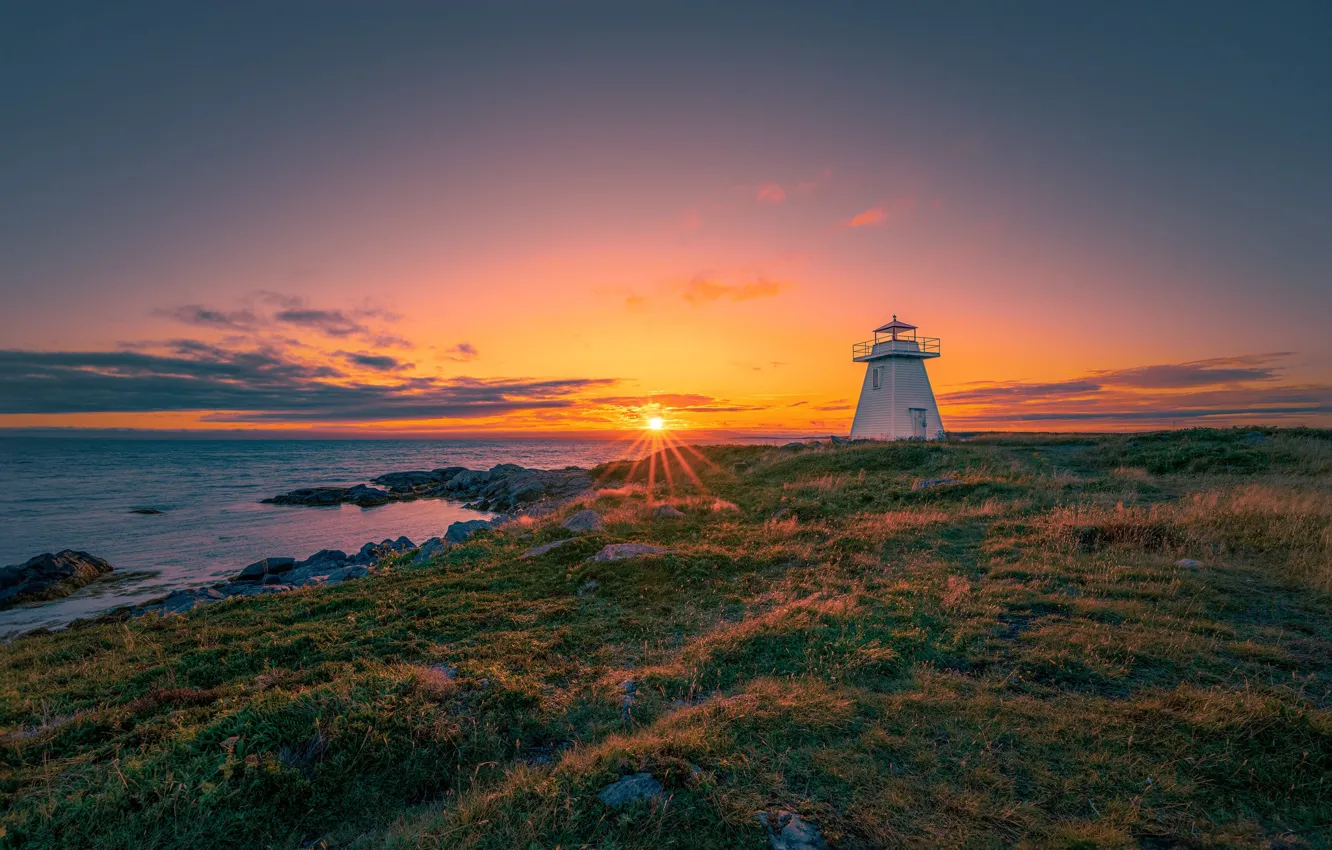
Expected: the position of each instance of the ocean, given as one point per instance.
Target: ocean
(75, 493)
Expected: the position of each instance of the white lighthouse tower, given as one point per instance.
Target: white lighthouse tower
(896, 402)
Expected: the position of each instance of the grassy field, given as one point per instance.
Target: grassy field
(1012, 659)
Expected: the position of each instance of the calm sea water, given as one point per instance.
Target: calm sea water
(67, 493)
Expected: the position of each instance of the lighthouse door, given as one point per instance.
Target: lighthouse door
(917, 422)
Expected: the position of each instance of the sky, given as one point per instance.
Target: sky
(507, 218)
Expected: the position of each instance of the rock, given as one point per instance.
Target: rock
(145, 511)
(49, 576)
(537, 551)
(927, 483)
(367, 497)
(788, 831)
(259, 569)
(584, 520)
(407, 482)
(468, 479)
(315, 496)
(667, 512)
(345, 573)
(331, 557)
(587, 587)
(445, 474)
(1188, 564)
(782, 513)
(429, 549)
(630, 789)
(460, 532)
(794, 446)
(836, 440)
(627, 701)
(619, 551)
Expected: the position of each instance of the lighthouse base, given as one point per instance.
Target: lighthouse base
(896, 402)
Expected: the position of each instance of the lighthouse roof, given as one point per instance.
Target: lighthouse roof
(894, 325)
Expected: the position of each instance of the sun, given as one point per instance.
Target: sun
(656, 424)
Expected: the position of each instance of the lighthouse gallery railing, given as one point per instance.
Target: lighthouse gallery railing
(919, 345)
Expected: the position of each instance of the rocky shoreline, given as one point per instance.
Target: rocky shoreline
(507, 489)
(502, 488)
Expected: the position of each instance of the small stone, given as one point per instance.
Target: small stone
(630, 789)
(667, 512)
(619, 551)
(928, 483)
(782, 513)
(788, 831)
(588, 587)
(536, 551)
(1188, 564)
(585, 520)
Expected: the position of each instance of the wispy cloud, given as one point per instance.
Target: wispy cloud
(1248, 387)
(377, 362)
(770, 193)
(462, 352)
(701, 290)
(198, 315)
(885, 213)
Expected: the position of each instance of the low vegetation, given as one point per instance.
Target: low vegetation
(1068, 641)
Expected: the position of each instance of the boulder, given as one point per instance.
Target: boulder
(630, 789)
(620, 551)
(584, 520)
(145, 511)
(259, 569)
(342, 574)
(314, 496)
(667, 512)
(330, 557)
(459, 532)
(788, 831)
(1188, 564)
(536, 551)
(794, 446)
(445, 474)
(468, 480)
(429, 549)
(49, 576)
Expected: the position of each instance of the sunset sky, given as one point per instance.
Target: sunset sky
(457, 218)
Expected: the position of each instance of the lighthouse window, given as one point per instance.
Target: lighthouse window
(876, 378)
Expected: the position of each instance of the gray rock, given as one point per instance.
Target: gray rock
(794, 446)
(314, 496)
(630, 789)
(667, 512)
(927, 483)
(1188, 564)
(145, 511)
(588, 586)
(331, 557)
(342, 574)
(536, 551)
(429, 549)
(49, 576)
(445, 474)
(836, 440)
(468, 479)
(788, 831)
(782, 513)
(259, 569)
(367, 497)
(460, 532)
(619, 551)
(584, 520)
(407, 482)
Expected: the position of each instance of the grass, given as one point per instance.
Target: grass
(1011, 660)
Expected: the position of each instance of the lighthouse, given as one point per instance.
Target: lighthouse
(896, 402)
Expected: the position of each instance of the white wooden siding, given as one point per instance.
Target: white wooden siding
(884, 414)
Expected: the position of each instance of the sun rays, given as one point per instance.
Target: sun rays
(665, 458)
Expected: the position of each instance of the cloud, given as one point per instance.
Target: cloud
(257, 386)
(331, 322)
(462, 352)
(196, 314)
(770, 193)
(700, 290)
(1221, 389)
(378, 362)
(885, 213)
